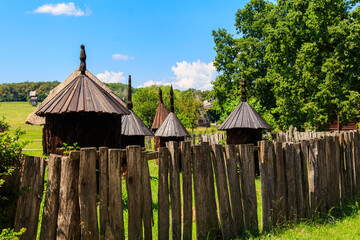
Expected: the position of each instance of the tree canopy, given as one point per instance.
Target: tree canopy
(300, 59)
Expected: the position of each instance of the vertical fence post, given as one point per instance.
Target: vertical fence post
(247, 176)
(357, 160)
(68, 221)
(51, 206)
(163, 194)
(305, 179)
(147, 206)
(280, 186)
(267, 176)
(186, 189)
(87, 194)
(298, 180)
(28, 203)
(289, 153)
(104, 192)
(115, 214)
(234, 186)
(134, 190)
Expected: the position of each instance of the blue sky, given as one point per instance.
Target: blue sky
(159, 42)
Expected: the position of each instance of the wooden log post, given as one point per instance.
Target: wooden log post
(353, 162)
(234, 186)
(349, 174)
(134, 190)
(335, 177)
(357, 160)
(186, 189)
(289, 154)
(115, 214)
(175, 197)
(104, 192)
(51, 205)
(163, 194)
(247, 179)
(87, 194)
(305, 177)
(280, 186)
(207, 225)
(147, 206)
(313, 175)
(31, 188)
(267, 177)
(68, 221)
(299, 181)
(222, 192)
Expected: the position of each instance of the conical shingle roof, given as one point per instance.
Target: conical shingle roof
(161, 113)
(172, 127)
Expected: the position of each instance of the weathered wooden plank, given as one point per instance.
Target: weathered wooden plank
(335, 177)
(299, 181)
(87, 194)
(163, 194)
(289, 153)
(267, 177)
(134, 190)
(357, 160)
(68, 221)
(353, 161)
(222, 192)
(305, 179)
(187, 212)
(280, 186)
(152, 155)
(51, 205)
(147, 206)
(104, 192)
(313, 175)
(247, 176)
(175, 197)
(234, 186)
(322, 177)
(207, 226)
(28, 203)
(115, 214)
(349, 169)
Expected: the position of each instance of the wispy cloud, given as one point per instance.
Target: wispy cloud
(118, 56)
(151, 82)
(111, 77)
(63, 9)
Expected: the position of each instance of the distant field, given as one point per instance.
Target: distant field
(16, 114)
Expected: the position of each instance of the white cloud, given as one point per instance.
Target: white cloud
(63, 9)
(151, 82)
(196, 75)
(111, 77)
(118, 56)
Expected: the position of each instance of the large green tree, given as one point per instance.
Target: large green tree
(300, 59)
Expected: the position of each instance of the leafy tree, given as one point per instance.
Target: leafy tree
(188, 109)
(300, 59)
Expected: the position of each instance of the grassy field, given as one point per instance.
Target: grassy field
(340, 224)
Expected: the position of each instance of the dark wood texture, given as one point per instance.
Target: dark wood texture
(247, 177)
(222, 191)
(175, 197)
(51, 205)
(187, 211)
(104, 192)
(31, 189)
(280, 186)
(147, 206)
(232, 160)
(305, 177)
(68, 221)
(133, 126)
(299, 181)
(163, 194)
(313, 175)
(289, 154)
(243, 136)
(87, 194)
(134, 190)
(115, 196)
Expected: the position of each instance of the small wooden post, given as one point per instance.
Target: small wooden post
(163, 194)
(266, 159)
(234, 186)
(51, 206)
(207, 225)
(247, 176)
(28, 203)
(313, 175)
(280, 186)
(68, 221)
(104, 193)
(299, 181)
(87, 194)
(357, 160)
(134, 190)
(349, 174)
(147, 206)
(116, 219)
(175, 190)
(305, 179)
(222, 191)
(289, 153)
(186, 189)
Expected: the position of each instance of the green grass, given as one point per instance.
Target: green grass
(339, 224)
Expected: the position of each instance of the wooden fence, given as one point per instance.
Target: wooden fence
(298, 181)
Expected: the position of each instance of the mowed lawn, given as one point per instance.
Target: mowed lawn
(346, 227)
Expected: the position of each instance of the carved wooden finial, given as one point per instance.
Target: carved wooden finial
(129, 104)
(171, 99)
(82, 67)
(243, 90)
(160, 96)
